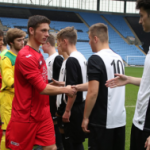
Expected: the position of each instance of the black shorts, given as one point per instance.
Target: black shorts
(53, 108)
(60, 123)
(138, 138)
(73, 128)
(101, 138)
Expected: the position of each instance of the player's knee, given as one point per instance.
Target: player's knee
(52, 147)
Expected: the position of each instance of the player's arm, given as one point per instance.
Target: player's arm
(121, 80)
(72, 68)
(53, 90)
(94, 70)
(93, 87)
(57, 83)
(7, 72)
(147, 143)
(57, 66)
(67, 112)
(56, 71)
(28, 68)
(81, 87)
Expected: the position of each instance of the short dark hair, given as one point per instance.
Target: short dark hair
(69, 33)
(51, 40)
(145, 4)
(36, 20)
(4, 41)
(1, 33)
(100, 30)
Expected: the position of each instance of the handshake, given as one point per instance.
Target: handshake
(71, 90)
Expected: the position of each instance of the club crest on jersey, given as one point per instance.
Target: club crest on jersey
(41, 61)
(49, 63)
(62, 70)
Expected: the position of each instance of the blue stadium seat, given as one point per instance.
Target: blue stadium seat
(117, 44)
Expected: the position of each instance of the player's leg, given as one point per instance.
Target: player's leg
(20, 135)
(100, 138)
(119, 138)
(67, 139)
(1, 132)
(51, 147)
(76, 133)
(53, 110)
(138, 138)
(67, 145)
(45, 135)
(78, 146)
(58, 138)
(3, 142)
(6, 106)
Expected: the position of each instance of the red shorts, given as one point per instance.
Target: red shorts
(21, 136)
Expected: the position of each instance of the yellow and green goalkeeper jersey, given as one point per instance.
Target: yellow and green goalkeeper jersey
(7, 70)
(2, 54)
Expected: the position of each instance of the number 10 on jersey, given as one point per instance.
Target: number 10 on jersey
(117, 66)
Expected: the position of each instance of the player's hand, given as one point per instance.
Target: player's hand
(56, 114)
(84, 125)
(57, 83)
(147, 143)
(66, 116)
(119, 80)
(71, 91)
(75, 87)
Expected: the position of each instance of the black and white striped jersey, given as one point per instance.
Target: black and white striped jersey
(142, 112)
(76, 73)
(109, 110)
(61, 97)
(53, 64)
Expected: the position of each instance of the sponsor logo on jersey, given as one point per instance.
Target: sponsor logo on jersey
(28, 56)
(44, 73)
(14, 143)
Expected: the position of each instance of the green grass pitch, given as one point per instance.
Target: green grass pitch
(130, 101)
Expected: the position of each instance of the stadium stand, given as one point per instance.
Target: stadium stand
(117, 44)
(119, 23)
(80, 27)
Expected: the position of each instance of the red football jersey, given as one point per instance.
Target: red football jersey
(30, 79)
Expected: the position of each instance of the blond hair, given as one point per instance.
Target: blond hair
(100, 30)
(14, 33)
(68, 33)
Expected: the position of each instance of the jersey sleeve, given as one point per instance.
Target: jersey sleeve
(30, 71)
(57, 66)
(72, 69)
(0, 62)
(94, 68)
(7, 71)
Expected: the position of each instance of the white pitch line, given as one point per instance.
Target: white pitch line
(130, 106)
